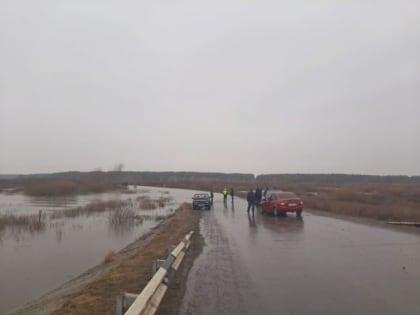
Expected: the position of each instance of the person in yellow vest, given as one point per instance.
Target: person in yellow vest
(225, 193)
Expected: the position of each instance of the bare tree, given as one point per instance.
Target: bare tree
(119, 167)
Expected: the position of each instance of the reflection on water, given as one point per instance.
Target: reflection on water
(282, 225)
(251, 220)
(52, 202)
(17, 232)
(59, 235)
(37, 259)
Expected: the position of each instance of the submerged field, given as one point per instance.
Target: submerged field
(47, 241)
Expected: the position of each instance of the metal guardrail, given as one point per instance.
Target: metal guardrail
(416, 224)
(147, 302)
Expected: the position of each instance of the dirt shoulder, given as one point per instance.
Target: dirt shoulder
(364, 220)
(95, 291)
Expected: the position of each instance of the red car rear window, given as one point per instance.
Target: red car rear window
(286, 196)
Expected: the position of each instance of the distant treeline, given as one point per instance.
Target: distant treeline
(176, 177)
(148, 177)
(70, 183)
(338, 179)
(97, 181)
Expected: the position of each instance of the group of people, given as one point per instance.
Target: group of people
(254, 198)
(226, 192)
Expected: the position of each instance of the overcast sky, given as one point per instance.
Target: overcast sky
(222, 85)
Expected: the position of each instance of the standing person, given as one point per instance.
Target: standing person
(258, 196)
(232, 193)
(250, 197)
(225, 193)
(265, 192)
(211, 196)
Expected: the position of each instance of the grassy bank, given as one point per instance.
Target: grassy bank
(381, 202)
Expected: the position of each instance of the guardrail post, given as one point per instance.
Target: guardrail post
(157, 264)
(171, 248)
(124, 301)
(119, 310)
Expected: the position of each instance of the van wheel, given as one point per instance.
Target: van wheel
(299, 213)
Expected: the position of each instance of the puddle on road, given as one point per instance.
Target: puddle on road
(37, 259)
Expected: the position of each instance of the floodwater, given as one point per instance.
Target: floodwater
(317, 265)
(37, 261)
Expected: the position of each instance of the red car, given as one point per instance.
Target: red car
(280, 202)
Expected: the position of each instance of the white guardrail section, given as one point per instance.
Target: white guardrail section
(147, 302)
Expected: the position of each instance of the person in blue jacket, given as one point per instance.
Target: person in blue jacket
(250, 197)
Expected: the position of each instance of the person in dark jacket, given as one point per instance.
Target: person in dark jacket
(250, 197)
(258, 196)
(232, 193)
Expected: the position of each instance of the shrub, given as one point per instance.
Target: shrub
(111, 256)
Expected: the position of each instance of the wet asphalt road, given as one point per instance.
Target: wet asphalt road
(317, 265)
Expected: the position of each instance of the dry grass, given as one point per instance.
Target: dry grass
(162, 201)
(111, 256)
(146, 203)
(382, 202)
(124, 216)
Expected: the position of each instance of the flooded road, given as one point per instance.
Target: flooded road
(34, 261)
(317, 265)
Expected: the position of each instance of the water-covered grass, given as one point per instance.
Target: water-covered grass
(124, 216)
(121, 212)
(29, 223)
(90, 209)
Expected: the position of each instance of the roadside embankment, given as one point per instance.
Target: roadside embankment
(130, 270)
